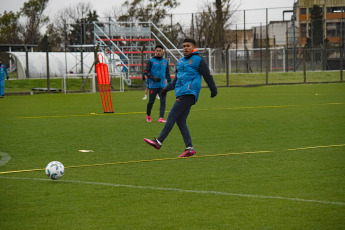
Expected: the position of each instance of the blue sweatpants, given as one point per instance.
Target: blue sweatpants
(2, 88)
(152, 97)
(178, 114)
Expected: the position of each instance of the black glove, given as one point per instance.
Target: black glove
(164, 91)
(8, 77)
(156, 79)
(213, 94)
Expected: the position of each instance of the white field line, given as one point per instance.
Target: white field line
(183, 190)
(4, 158)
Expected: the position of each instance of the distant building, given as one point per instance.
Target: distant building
(280, 34)
(333, 19)
(237, 39)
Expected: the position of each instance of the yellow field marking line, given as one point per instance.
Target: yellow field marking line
(82, 115)
(140, 161)
(258, 107)
(316, 147)
(174, 158)
(210, 109)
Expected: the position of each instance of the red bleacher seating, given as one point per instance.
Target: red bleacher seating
(133, 52)
(138, 64)
(130, 40)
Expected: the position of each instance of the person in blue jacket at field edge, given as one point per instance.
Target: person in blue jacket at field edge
(3, 71)
(187, 86)
(157, 70)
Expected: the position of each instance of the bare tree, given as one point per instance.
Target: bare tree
(150, 10)
(113, 12)
(71, 14)
(67, 19)
(155, 11)
(211, 23)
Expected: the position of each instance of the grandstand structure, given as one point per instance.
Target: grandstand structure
(128, 45)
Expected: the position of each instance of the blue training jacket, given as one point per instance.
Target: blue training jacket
(157, 67)
(188, 76)
(3, 72)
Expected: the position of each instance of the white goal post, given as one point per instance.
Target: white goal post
(93, 80)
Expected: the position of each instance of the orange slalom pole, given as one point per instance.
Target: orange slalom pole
(107, 83)
(105, 91)
(99, 79)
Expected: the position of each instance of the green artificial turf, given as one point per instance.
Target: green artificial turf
(268, 157)
(235, 79)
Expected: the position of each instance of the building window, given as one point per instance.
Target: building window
(303, 10)
(303, 30)
(334, 29)
(335, 10)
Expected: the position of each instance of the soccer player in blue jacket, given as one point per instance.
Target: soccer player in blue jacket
(187, 85)
(3, 72)
(157, 70)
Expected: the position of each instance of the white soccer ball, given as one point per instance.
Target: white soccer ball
(55, 170)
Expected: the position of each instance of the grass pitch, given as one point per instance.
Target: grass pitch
(267, 158)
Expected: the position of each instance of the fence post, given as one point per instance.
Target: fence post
(48, 74)
(236, 49)
(260, 47)
(341, 49)
(341, 62)
(294, 38)
(284, 61)
(227, 65)
(304, 68)
(27, 62)
(267, 50)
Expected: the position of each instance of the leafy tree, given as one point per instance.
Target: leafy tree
(315, 31)
(82, 30)
(9, 27)
(91, 17)
(44, 44)
(51, 40)
(32, 12)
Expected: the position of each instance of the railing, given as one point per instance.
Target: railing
(100, 40)
(172, 45)
(129, 30)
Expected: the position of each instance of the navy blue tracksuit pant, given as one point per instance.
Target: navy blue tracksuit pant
(178, 114)
(152, 97)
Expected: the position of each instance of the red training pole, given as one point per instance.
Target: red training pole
(104, 88)
(107, 83)
(100, 79)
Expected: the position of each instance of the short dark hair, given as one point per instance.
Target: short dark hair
(159, 46)
(191, 40)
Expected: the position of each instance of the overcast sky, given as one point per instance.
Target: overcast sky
(253, 17)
